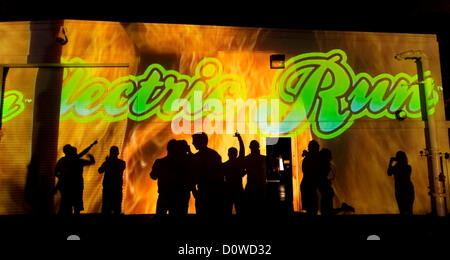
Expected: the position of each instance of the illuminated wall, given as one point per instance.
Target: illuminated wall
(340, 88)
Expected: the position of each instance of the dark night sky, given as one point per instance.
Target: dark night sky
(413, 16)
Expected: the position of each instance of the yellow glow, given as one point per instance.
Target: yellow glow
(361, 154)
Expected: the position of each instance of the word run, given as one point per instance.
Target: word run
(322, 91)
(316, 90)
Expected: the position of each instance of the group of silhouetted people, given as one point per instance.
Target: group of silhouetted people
(216, 186)
(317, 176)
(69, 171)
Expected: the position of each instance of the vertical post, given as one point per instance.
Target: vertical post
(2, 90)
(46, 112)
(436, 191)
(3, 72)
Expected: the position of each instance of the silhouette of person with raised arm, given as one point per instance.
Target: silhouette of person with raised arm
(233, 173)
(255, 168)
(309, 184)
(69, 171)
(404, 188)
(326, 175)
(207, 176)
(163, 171)
(113, 168)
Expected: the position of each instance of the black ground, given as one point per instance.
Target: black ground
(170, 232)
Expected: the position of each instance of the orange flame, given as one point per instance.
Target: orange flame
(235, 48)
(244, 52)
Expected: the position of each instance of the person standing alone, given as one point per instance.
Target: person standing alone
(112, 168)
(404, 188)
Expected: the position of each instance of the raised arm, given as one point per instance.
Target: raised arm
(85, 151)
(390, 171)
(241, 146)
(91, 159)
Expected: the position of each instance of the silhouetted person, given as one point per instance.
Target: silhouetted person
(163, 170)
(255, 168)
(207, 175)
(327, 193)
(404, 189)
(62, 171)
(233, 172)
(174, 182)
(323, 183)
(309, 184)
(183, 181)
(113, 168)
(69, 171)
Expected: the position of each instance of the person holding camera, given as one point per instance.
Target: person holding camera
(404, 188)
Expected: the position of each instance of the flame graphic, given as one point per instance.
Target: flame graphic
(189, 44)
(111, 44)
(361, 178)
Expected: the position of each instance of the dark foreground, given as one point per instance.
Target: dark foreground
(280, 233)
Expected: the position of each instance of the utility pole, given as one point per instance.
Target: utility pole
(44, 48)
(432, 149)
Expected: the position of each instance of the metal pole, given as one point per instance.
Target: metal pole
(3, 72)
(436, 191)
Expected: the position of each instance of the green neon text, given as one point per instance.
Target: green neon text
(321, 91)
(138, 98)
(13, 105)
(317, 90)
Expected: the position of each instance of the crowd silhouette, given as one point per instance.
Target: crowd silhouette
(217, 187)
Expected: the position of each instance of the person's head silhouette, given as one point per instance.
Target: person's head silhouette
(313, 146)
(200, 141)
(74, 150)
(401, 158)
(232, 153)
(114, 151)
(254, 147)
(171, 147)
(183, 146)
(69, 150)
